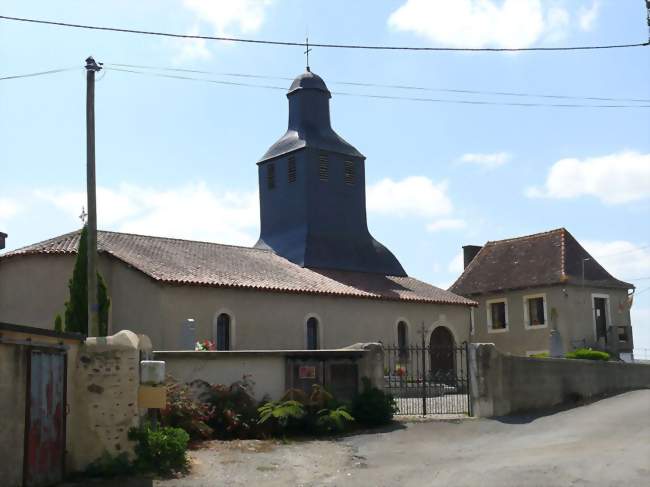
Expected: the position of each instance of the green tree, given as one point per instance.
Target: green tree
(76, 308)
(58, 323)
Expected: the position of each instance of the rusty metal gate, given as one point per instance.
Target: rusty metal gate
(428, 380)
(43, 462)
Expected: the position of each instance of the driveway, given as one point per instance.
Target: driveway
(606, 443)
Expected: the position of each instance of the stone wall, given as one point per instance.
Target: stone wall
(105, 404)
(503, 384)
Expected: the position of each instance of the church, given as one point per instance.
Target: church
(316, 278)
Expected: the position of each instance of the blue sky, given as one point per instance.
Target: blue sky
(177, 158)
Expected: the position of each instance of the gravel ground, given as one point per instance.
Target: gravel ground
(605, 443)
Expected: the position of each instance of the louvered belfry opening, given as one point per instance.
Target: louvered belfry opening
(348, 167)
(323, 167)
(291, 169)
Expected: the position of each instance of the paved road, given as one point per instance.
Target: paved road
(606, 443)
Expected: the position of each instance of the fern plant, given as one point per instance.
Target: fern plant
(333, 420)
(281, 412)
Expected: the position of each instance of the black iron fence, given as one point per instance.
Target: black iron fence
(428, 380)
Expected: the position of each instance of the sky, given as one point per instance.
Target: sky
(177, 157)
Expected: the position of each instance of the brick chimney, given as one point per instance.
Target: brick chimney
(3, 236)
(469, 252)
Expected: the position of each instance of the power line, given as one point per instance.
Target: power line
(391, 86)
(385, 97)
(40, 73)
(336, 46)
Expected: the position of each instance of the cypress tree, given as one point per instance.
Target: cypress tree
(76, 308)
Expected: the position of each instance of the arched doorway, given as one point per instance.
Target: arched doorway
(441, 355)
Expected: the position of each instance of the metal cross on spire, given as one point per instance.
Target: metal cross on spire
(307, 51)
(83, 215)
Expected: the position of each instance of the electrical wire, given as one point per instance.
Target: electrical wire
(383, 97)
(40, 73)
(336, 46)
(391, 86)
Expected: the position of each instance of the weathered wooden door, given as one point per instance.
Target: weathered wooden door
(45, 419)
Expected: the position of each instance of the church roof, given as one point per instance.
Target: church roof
(187, 262)
(542, 259)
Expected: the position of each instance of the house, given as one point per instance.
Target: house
(528, 286)
(315, 279)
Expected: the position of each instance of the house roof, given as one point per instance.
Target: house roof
(187, 262)
(542, 259)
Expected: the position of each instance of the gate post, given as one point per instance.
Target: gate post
(424, 375)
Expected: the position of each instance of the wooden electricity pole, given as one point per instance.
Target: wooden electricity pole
(93, 309)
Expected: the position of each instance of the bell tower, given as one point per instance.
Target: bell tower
(312, 191)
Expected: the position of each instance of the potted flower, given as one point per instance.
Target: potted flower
(205, 345)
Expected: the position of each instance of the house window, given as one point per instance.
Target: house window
(291, 169)
(497, 315)
(622, 334)
(323, 167)
(312, 334)
(535, 311)
(270, 175)
(349, 172)
(223, 331)
(402, 338)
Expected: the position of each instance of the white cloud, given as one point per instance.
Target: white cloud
(487, 161)
(587, 16)
(446, 224)
(192, 211)
(412, 196)
(623, 259)
(8, 209)
(225, 18)
(456, 264)
(226, 15)
(192, 49)
(614, 179)
(480, 23)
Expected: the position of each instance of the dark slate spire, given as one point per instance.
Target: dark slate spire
(312, 191)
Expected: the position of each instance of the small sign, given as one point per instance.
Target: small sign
(307, 372)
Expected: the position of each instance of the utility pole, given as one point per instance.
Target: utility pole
(93, 310)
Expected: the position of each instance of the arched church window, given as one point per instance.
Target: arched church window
(223, 332)
(402, 338)
(312, 334)
(323, 167)
(270, 175)
(291, 169)
(349, 173)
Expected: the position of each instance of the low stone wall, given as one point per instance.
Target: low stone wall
(503, 384)
(269, 369)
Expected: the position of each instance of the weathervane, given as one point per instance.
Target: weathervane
(307, 51)
(83, 215)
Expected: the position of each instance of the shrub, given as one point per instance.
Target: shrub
(333, 420)
(161, 450)
(182, 411)
(110, 466)
(58, 324)
(587, 354)
(540, 355)
(234, 409)
(373, 407)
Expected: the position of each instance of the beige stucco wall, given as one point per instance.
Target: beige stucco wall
(574, 318)
(261, 320)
